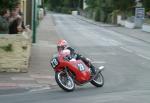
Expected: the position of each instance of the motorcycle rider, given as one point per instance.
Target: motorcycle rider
(63, 44)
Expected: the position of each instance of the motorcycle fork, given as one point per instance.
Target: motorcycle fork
(66, 71)
(95, 75)
(69, 73)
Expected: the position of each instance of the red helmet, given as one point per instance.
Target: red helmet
(62, 44)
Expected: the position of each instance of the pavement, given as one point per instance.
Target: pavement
(41, 75)
(135, 33)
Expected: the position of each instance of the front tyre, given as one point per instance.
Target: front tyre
(98, 81)
(65, 82)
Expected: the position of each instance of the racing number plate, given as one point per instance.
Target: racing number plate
(54, 62)
(81, 67)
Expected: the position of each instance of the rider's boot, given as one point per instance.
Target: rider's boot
(93, 70)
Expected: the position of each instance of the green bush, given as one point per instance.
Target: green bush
(9, 4)
(66, 10)
(110, 18)
(89, 13)
(58, 9)
(7, 48)
(97, 14)
(114, 16)
(147, 21)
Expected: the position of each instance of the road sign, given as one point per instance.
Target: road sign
(140, 13)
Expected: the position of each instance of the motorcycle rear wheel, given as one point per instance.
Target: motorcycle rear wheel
(98, 81)
(65, 82)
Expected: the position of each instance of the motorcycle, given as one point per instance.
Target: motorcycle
(69, 71)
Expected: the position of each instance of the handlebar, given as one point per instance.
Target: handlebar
(69, 57)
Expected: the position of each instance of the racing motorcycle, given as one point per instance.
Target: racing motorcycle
(69, 71)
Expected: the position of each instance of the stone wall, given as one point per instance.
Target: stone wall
(15, 52)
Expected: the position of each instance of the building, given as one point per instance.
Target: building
(27, 9)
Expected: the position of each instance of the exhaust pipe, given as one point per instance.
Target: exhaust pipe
(101, 68)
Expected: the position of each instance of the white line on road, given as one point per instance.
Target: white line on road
(22, 78)
(148, 58)
(40, 89)
(99, 62)
(107, 53)
(126, 49)
(42, 76)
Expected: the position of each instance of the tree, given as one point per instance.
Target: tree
(9, 4)
(53, 4)
(146, 4)
(63, 5)
(123, 5)
(91, 3)
(109, 7)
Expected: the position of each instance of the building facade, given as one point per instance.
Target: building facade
(27, 10)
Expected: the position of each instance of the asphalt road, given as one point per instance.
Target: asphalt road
(126, 62)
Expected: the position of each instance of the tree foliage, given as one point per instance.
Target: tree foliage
(63, 5)
(146, 4)
(114, 4)
(109, 7)
(9, 4)
(123, 5)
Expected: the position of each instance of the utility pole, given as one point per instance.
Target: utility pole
(34, 20)
(78, 8)
(79, 4)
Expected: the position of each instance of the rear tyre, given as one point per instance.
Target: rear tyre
(65, 82)
(98, 81)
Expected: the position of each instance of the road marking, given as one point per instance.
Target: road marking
(106, 53)
(40, 89)
(25, 85)
(126, 49)
(99, 62)
(111, 41)
(22, 78)
(143, 56)
(8, 84)
(42, 76)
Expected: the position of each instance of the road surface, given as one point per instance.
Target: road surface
(126, 60)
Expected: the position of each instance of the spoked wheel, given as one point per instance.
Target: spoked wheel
(65, 82)
(98, 81)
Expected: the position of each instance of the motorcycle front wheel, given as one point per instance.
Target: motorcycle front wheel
(65, 82)
(98, 81)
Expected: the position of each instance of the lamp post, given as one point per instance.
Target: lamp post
(34, 20)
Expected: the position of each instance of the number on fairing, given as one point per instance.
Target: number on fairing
(54, 62)
(81, 67)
